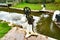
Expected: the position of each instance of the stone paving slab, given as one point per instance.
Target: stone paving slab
(14, 34)
(19, 34)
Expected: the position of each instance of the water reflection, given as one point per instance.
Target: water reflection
(51, 27)
(47, 27)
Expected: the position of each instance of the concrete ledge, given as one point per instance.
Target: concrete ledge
(20, 10)
(43, 11)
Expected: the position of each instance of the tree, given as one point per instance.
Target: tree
(52, 1)
(26, 1)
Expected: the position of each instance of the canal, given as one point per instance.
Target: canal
(44, 26)
(47, 27)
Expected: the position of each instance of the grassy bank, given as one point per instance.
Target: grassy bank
(4, 28)
(32, 6)
(50, 6)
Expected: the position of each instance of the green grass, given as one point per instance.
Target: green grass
(32, 6)
(50, 6)
(4, 28)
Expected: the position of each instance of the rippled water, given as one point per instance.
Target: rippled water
(16, 18)
(47, 27)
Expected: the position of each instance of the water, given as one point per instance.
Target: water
(47, 27)
(18, 19)
(43, 26)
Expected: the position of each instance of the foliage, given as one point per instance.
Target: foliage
(57, 1)
(2, 1)
(39, 1)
